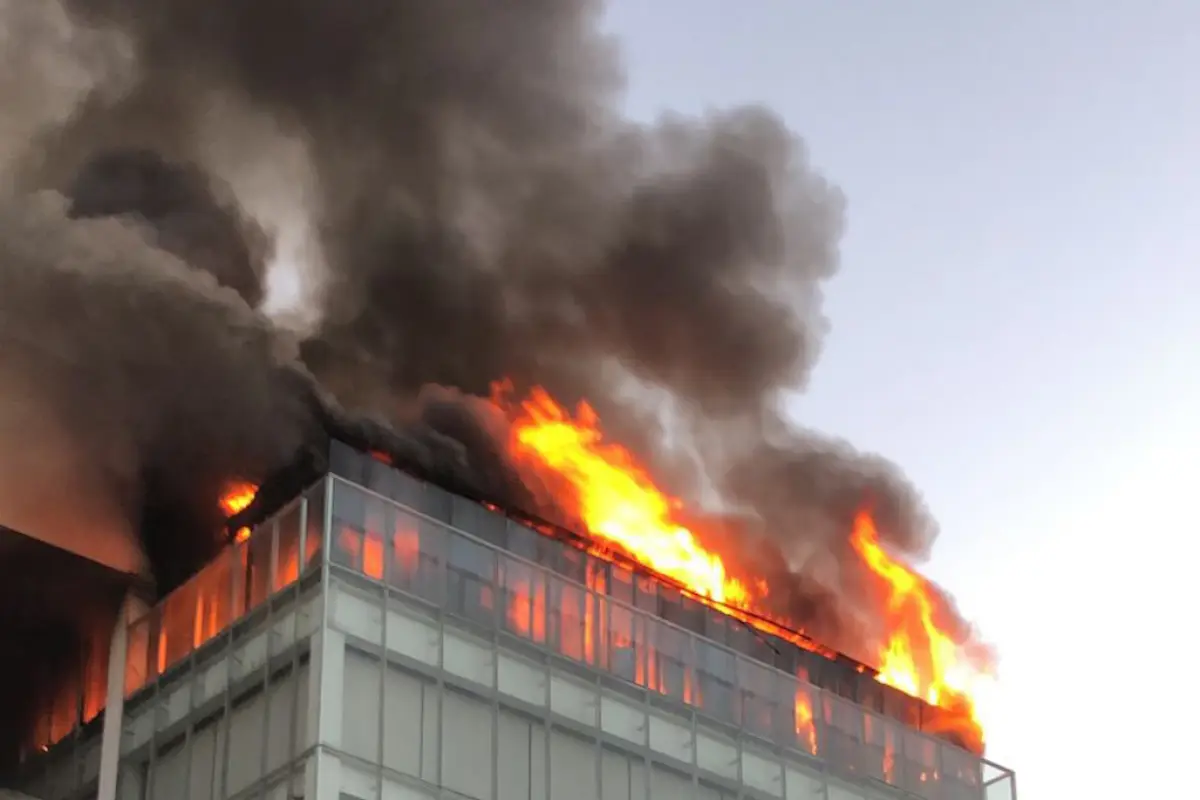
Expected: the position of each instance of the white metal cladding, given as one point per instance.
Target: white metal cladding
(428, 705)
(460, 581)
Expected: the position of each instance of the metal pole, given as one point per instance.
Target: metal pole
(114, 706)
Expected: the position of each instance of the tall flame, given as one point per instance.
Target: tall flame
(919, 657)
(618, 503)
(617, 500)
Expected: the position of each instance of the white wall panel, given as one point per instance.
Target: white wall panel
(763, 772)
(614, 775)
(666, 784)
(717, 754)
(573, 766)
(193, 766)
(467, 758)
(514, 757)
(403, 707)
(361, 679)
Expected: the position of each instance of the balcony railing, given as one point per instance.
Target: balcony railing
(239, 581)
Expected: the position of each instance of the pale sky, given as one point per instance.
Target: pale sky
(1015, 323)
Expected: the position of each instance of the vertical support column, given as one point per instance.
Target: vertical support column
(114, 706)
(327, 659)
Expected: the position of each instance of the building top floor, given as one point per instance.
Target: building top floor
(367, 520)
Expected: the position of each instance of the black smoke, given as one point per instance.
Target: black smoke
(484, 211)
(184, 211)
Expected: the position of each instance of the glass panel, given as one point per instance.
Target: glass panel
(879, 748)
(178, 626)
(716, 626)
(716, 676)
(481, 523)
(550, 554)
(379, 476)
(378, 521)
(522, 541)
(840, 733)
(137, 654)
(258, 565)
(287, 566)
(572, 564)
(436, 503)
(757, 697)
(622, 655)
(595, 613)
(470, 579)
(917, 765)
(645, 594)
(404, 548)
(566, 604)
(523, 597)
(674, 674)
(349, 524)
(869, 695)
(239, 578)
(804, 717)
(314, 522)
(402, 488)
(213, 598)
(962, 773)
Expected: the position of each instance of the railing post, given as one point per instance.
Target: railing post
(132, 608)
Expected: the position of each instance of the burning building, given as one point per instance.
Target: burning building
(257, 561)
(369, 633)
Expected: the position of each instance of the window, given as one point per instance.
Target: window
(471, 579)
(715, 668)
(523, 592)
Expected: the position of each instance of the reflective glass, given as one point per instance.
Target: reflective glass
(470, 568)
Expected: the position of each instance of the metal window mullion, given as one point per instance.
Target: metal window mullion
(268, 636)
(600, 651)
(227, 691)
(388, 559)
(295, 660)
(187, 728)
(444, 588)
(547, 724)
(155, 709)
(499, 601)
(740, 739)
(323, 555)
(692, 663)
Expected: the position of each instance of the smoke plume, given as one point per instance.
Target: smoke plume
(484, 211)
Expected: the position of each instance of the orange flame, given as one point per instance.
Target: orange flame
(919, 657)
(238, 497)
(619, 504)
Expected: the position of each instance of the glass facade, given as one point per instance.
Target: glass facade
(400, 641)
(593, 624)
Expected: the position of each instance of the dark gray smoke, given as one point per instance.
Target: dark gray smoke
(184, 211)
(149, 382)
(484, 211)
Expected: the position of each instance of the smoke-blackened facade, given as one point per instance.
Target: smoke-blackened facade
(379, 636)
